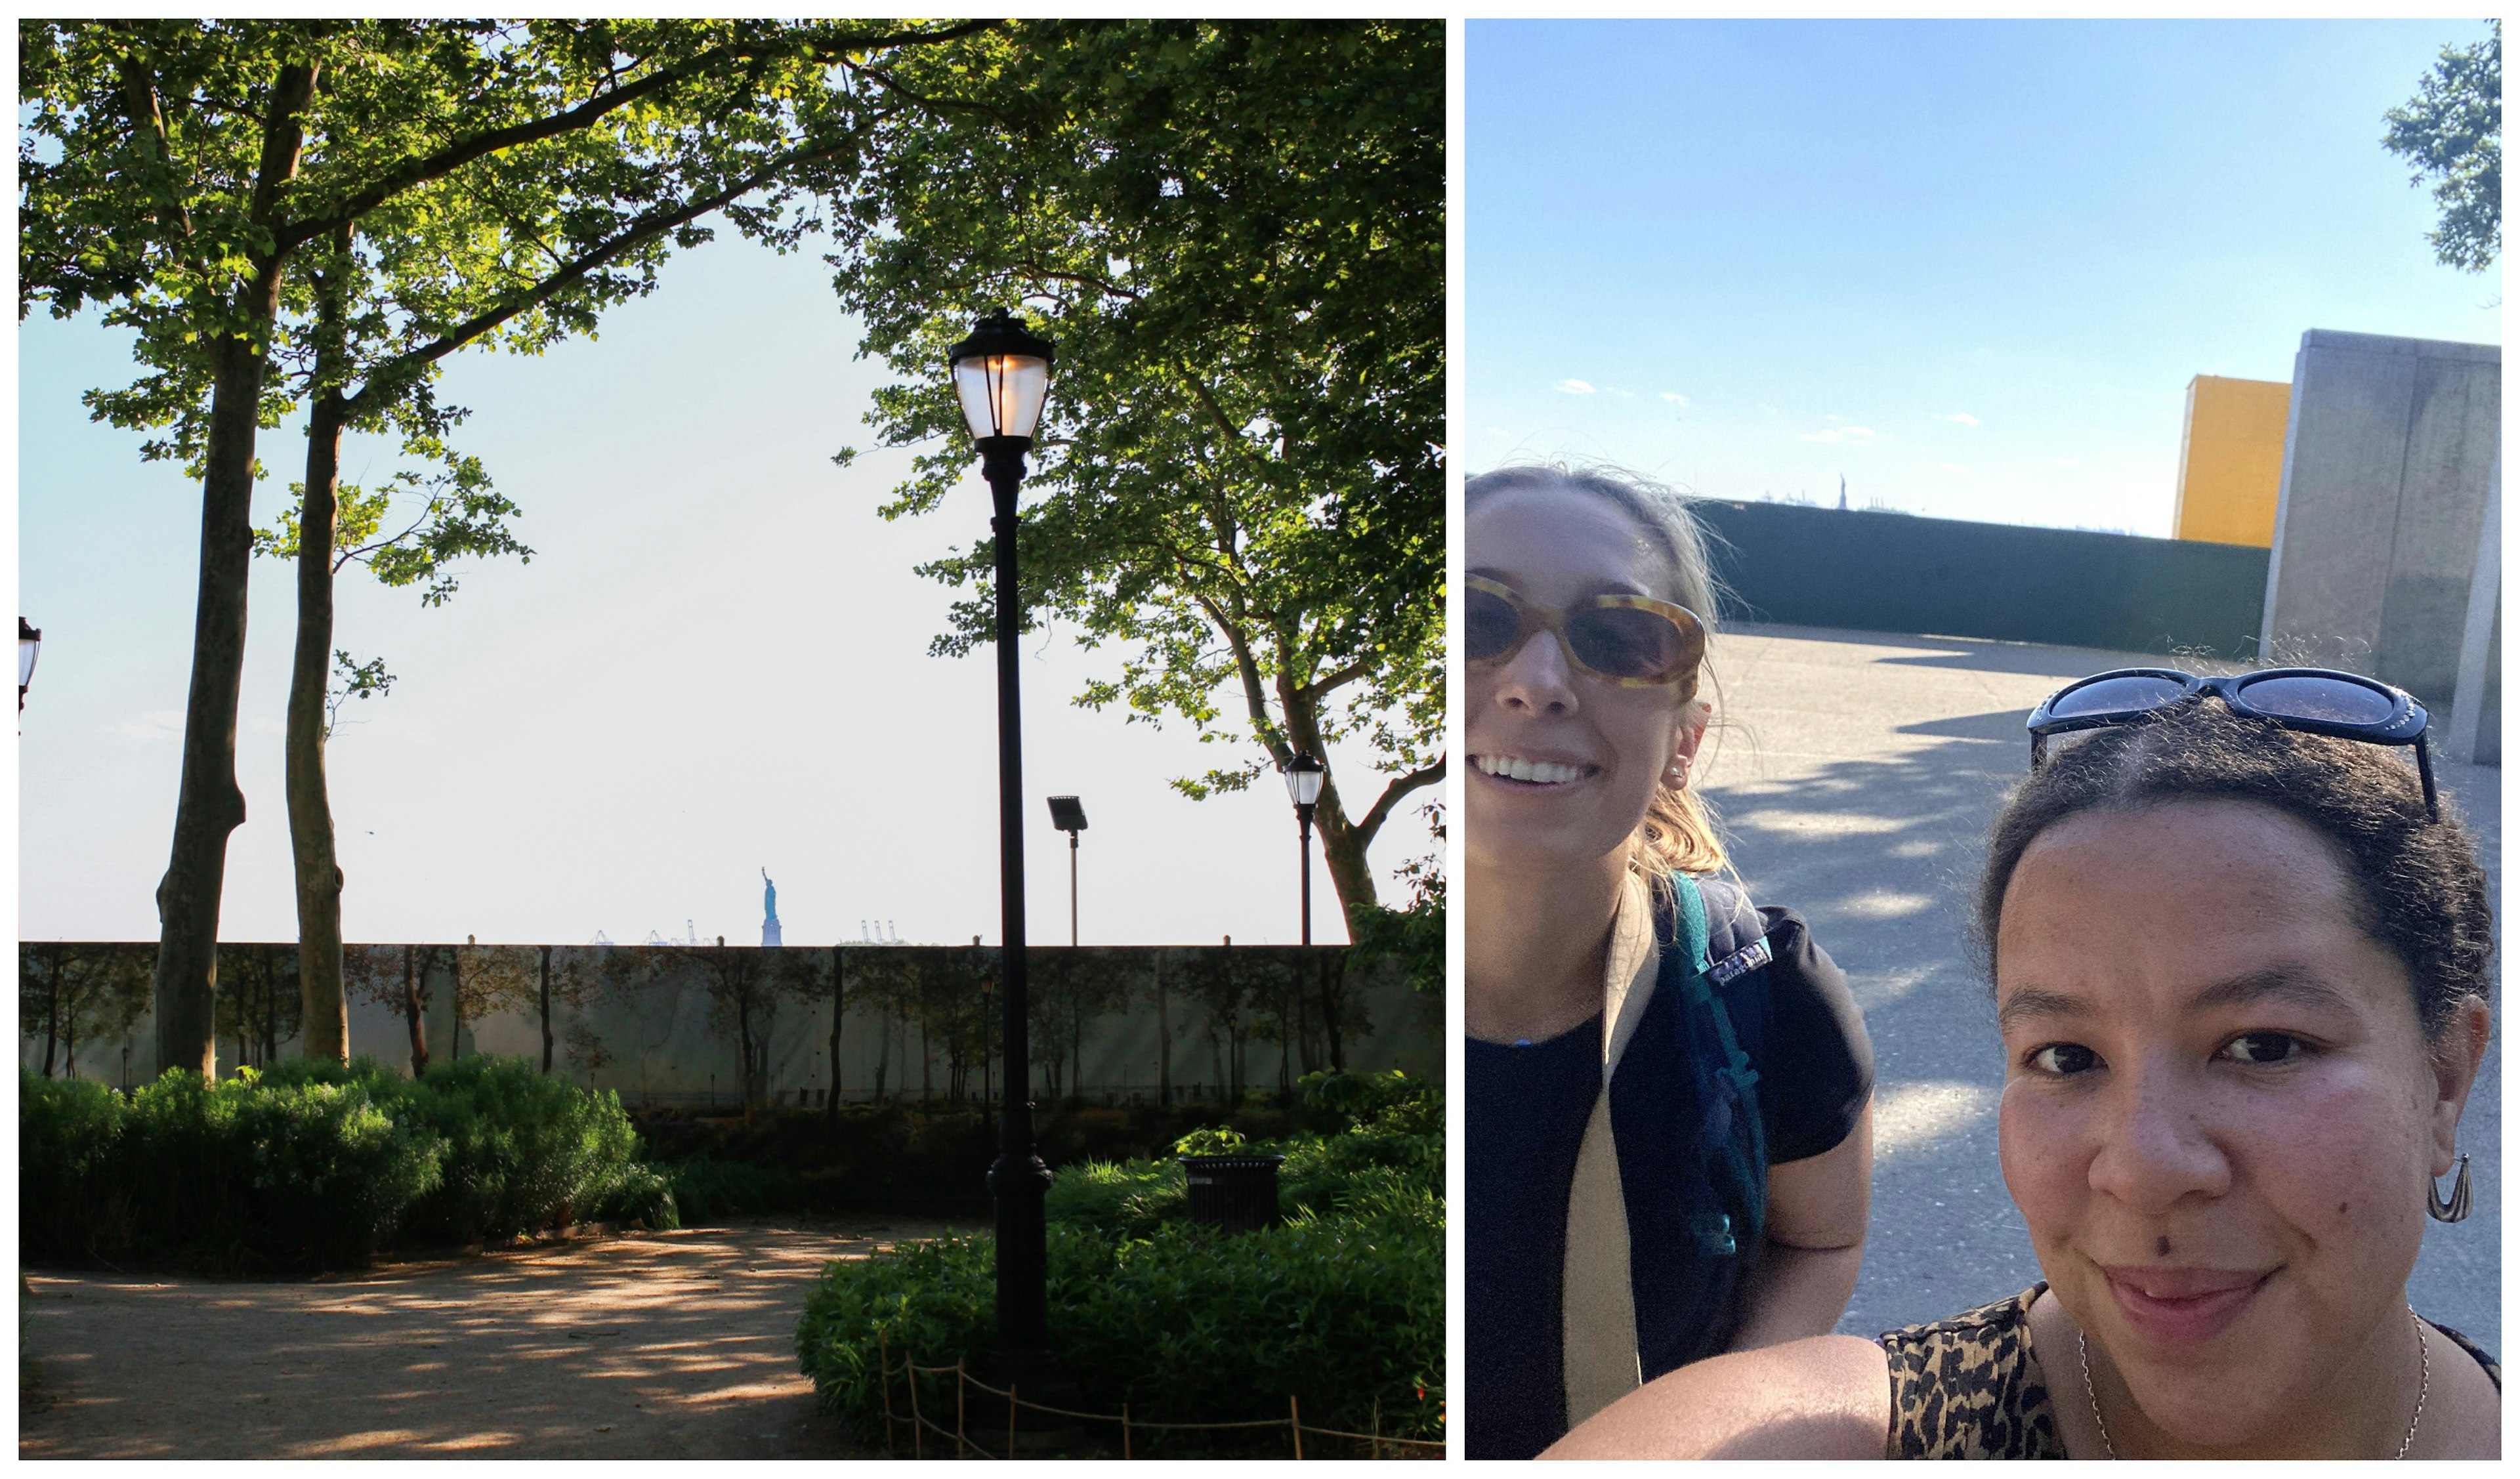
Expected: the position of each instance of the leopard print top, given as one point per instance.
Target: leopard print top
(1970, 1387)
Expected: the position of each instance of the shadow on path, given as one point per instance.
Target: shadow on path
(676, 1345)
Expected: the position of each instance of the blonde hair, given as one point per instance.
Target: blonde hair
(1678, 832)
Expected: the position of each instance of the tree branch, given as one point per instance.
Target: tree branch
(647, 228)
(1392, 795)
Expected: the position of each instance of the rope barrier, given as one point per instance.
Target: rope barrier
(921, 1424)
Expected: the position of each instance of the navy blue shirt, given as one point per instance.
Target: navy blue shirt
(1526, 1113)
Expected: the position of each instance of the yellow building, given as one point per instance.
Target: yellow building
(2230, 460)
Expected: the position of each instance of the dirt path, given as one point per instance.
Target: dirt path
(674, 1345)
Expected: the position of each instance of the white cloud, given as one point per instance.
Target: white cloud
(1856, 435)
(1961, 418)
(1675, 397)
(157, 724)
(1574, 388)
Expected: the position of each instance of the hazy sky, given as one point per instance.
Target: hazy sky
(1969, 266)
(716, 661)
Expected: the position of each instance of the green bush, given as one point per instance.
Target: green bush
(1218, 1140)
(69, 1137)
(635, 1193)
(1340, 1307)
(319, 1165)
(1119, 1198)
(707, 1190)
(525, 1148)
(1187, 1325)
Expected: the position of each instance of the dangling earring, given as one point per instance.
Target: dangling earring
(2457, 1209)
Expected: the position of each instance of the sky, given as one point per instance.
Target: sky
(1968, 266)
(715, 663)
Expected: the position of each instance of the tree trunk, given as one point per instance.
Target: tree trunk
(1163, 1041)
(208, 804)
(326, 1033)
(455, 1005)
(53, 1015)
(744, 1083)
(411, 1012)
(547, 1032)
(832, 1095)
(1333, 969)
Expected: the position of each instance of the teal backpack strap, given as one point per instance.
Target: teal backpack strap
(1691, 928)
(1706, 1003)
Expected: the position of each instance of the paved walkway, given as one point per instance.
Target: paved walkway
(1858, 773)
(676, 1345)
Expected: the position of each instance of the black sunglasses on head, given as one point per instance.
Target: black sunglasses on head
(2315, 701)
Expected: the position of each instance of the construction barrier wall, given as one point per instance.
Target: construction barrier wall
(1947, 577)
(668, 1024)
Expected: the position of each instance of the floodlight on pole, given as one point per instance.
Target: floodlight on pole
(30, 640)
(1068, 814)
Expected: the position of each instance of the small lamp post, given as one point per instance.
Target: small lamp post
(1304, 788)
(1068, 814)
(1001, 373)
(30, 641)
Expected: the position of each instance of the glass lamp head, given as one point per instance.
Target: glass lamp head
(1303, 779)
(1002, 373)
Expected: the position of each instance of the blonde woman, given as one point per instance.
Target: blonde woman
(1669, 1125)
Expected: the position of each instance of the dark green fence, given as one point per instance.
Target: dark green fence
(1895, 573)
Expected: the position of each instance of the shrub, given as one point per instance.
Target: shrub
(1211, 1141)
(1187, 1325)
(525, 1151)
(1119, 1198)
(707, 1190)
(70, 1135)
(318, 1164)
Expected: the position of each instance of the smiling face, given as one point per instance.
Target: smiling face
(1563, 765)
(2218, 1110)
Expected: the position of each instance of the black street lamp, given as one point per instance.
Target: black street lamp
(1068, 814)
(29, 640)
(1001, 372)
(1304, 789)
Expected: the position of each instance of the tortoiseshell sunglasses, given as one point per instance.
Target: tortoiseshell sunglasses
(1631, 641)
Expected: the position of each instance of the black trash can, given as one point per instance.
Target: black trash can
(1236, 1193)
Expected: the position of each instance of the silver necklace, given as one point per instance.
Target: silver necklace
(2423, 1385)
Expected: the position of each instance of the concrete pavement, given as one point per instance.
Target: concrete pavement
(1855, 774)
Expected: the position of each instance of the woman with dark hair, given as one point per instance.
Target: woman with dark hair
(1667, 1089)
(2239, 954)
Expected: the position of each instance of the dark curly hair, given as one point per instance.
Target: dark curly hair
(2421, 889)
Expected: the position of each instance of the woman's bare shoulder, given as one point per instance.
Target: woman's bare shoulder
(1825, 1397)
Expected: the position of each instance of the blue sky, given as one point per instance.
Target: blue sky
(715, 662)
(1970, 266)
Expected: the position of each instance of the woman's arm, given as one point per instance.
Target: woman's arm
(1827, 1396)
(1817, 1209)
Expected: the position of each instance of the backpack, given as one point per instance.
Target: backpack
(1692, 1141)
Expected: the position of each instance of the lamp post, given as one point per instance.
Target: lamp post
(1068, 814)
(30, 641)
(1304, 789)
(1001, 372)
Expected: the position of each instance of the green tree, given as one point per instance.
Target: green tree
(186, 173)
(2451, 131)
(1233, 233)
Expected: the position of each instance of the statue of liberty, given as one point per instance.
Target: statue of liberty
(769, 910)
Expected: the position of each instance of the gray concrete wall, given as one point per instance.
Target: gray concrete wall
(2387, 458)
